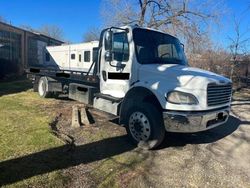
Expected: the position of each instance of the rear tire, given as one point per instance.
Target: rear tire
(144, 126)
(43, 88)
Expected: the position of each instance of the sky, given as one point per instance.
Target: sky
(238, 10)
(73, 16)
(76, 16)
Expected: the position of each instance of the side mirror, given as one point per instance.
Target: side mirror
(108, 40)
(108, 46)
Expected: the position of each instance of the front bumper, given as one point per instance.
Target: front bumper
(188, 122)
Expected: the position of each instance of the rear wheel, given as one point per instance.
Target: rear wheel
(144, 126)
(43, 88)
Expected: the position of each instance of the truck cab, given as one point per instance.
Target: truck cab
(144, 79)
(148, 70)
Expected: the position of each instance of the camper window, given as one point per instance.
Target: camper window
(73, 56)
(80, 58)
(86, 56)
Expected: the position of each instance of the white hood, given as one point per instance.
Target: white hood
(179, 75)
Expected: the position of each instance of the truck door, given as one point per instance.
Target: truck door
(115, 64)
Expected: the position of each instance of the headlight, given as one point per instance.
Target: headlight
(177, 97)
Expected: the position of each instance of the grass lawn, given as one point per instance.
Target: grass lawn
(24, 129)
(31, 156)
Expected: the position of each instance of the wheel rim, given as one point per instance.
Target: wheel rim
(41, 88)
(139, 126)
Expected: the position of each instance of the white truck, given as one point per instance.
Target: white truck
(142, 76)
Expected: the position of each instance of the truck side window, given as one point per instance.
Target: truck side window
(120, 46)
(47, 57)
(73, 56)
(86, 56)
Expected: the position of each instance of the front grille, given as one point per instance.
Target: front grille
(218, 94)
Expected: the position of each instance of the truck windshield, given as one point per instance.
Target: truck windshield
(153, 47)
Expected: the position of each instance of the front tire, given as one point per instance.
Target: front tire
(144, 126)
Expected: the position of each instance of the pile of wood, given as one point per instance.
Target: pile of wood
(80, 116)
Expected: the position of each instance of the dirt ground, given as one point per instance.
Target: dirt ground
(216, 158)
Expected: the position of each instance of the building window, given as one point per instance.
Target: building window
(86, 56)
(10, 53)
(73, 56)
(47, 57)
(80, 58)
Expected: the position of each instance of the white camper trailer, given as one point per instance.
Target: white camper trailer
(74, 57)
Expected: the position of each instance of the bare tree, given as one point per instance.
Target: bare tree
(189, 20)
(52, 31)
(215, 60)
(237, 46)
(119, 12)
(91, 34)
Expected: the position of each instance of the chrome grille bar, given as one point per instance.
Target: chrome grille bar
(218, 94)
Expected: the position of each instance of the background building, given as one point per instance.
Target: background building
(19, 48)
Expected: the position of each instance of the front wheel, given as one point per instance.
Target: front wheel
(144, 125)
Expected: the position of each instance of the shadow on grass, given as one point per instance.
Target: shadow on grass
(210, 136)
(62, 157)
(14, 86)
